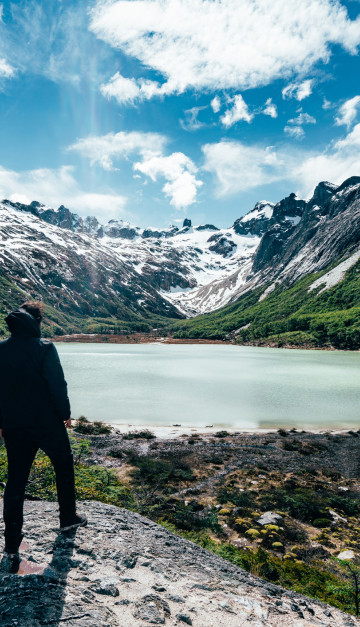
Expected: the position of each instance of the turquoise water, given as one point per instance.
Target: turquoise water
(225, 386)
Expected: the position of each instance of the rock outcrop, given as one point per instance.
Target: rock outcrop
(126, 570)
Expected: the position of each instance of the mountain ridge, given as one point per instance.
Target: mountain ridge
(141, 277)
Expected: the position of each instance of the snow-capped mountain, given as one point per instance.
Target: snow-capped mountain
(116, 268)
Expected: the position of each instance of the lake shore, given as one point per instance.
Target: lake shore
(146, 338)
(134, 338)
(178, 431)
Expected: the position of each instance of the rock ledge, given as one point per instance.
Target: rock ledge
(125, 570)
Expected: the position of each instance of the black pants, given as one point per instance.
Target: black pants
(22, 446)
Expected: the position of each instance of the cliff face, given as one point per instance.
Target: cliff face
(125, 570)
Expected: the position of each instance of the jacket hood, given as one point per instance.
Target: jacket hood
(23, 324)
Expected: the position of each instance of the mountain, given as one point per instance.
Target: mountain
(304, 284)
(55, 255)
(130, 278)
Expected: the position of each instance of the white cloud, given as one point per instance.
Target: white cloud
(107, 148)
(350, 141)
(348, 112)
(270, 109)
(125, 90)
(57, 187)
(52, 39)
(295, 131)
(227, 44)
(239, 111)
(6, 70)
(340, 161)
(299, 91)
(237, 167)
(216, 104)
(302, 118)
(294, 126)
(128, 90)
(180, 173)
(177, 169)
(191, 122)
(326, 104)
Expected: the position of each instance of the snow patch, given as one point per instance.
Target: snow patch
(267, 291)
(262, 209)
(336, 275)
(294, 219)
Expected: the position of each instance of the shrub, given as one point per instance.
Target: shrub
(300, 503)
(252, 533)
(139, 435)
(116, 452)
(244, 500)
(321, 522)
(83, 425)
(160, 472)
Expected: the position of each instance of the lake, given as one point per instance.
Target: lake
(226, 386)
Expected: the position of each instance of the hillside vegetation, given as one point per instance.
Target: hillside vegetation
(290, 315)
(66, 320)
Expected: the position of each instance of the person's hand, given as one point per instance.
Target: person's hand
(67, 423)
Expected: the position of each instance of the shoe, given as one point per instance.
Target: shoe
(79, 521)
(12, 546)
(11, 556)
(10, 563)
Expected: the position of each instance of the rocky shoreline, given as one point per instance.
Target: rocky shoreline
(134, 338)
(144, 338)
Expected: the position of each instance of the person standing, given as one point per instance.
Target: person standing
(34, 413)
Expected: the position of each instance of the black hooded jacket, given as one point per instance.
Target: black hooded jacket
(33, 390)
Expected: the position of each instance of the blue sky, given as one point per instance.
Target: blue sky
(156, 110)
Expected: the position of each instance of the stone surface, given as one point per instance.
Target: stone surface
(269, 518)
(125, 570)
(346, 555)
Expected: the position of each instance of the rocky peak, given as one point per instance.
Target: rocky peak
(124, 569)
(222, 244)
(151, 232)
(92, 226)
(187, 223)
(353, 181)
(206, 227)
(322, 194)
(119, 228)
(289, 208)
(256, 221)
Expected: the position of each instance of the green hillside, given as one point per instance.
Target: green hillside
(290, 315)
(65, 319)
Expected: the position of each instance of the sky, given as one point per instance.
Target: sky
(152, 111)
